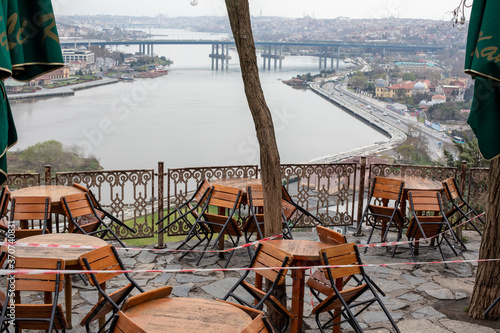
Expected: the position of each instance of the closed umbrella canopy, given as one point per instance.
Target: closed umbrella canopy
(29, 47)
(482, 61)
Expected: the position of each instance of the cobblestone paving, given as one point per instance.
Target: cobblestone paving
(424, 298)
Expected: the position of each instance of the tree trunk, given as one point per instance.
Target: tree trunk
(487, 288)
(239, 18)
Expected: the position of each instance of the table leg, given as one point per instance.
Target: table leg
(67, 298)
(102, 321)
(298, 277)
(339, 283)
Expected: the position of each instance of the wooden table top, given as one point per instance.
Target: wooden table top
(55, 192)
(239, 183)
(300, 249)
(69, 255)
(188, 314)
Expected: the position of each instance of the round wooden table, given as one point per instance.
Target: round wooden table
(188, 315)
(55, 192)
(305, 253)
(69, 255)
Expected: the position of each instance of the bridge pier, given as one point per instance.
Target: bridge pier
(277, 56)
(216, 56)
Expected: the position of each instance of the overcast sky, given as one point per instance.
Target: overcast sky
(431, 9)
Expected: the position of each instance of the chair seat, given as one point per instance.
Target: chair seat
(103, 307)
(348, 295)
(260, 294)
(217, 222)
(39, 311)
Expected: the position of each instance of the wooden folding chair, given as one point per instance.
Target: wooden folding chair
(123, 324)
(101, 212)
(428, 221)
(383, 210)
(190, 208)
(217, 217)
(460, 207)
(46, 316)
(84, 218)
(266, 255)
(294, 212)
(105, 259)
(254, 223)
(347, 302)
(317, 282)
(26, 209)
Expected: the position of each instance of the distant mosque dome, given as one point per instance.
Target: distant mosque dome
(422, 103)
(419, 86)
(380, 83)
(83, 48)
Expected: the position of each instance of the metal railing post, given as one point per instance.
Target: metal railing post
(48, 175)
(361, 194)
(161, 185)
(461, 185)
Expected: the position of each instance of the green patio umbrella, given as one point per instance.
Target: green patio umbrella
(29, 47)
(482, 61)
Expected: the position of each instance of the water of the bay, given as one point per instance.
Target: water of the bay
(192, 117)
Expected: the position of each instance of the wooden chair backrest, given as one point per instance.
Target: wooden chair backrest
(38, 282)
(30, 208)
(285, 195)
(271, 256)
(344, 254)
(330, 236)
(124, 324)
(101, 259)
(4, 201)
(425, 201)
(225, 197)
(77, 205)
(256, 193)
(451, 189)
(149, 295)
(387, 188)
(202, 189)
(288, 208)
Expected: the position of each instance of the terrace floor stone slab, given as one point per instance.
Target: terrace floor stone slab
(413, 293)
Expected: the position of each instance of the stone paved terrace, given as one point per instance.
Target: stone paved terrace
(425, 298)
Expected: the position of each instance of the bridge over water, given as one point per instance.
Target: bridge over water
(271, 50)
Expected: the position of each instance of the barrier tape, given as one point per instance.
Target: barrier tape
(418, 240)
(384, 244)
(64, 246)
(193, 270)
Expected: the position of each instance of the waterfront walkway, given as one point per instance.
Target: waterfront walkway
(424, 298)
(68, 90)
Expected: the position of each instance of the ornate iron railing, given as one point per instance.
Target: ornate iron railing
(127, 194)
(334, 193)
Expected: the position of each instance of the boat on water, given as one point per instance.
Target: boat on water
(161, 69)
(126, 78)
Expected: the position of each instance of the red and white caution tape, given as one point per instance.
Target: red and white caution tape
(53, 271)
(417, 240)
(224, 250)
